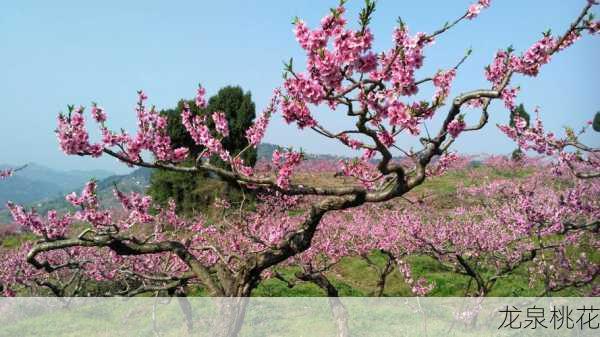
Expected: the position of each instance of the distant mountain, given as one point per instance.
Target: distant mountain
(265, 152)
(36, 183)
(45, 189)
(64, 179)
(136, 181)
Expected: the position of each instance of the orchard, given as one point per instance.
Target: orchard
(309, 216)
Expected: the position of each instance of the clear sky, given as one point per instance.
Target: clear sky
(54, 53)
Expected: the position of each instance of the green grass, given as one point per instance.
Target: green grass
(15, 240)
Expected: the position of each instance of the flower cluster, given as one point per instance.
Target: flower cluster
(6, 173)
(401, 115)
(137, 206)
(90, 209)
(419, 287)
(456, 126)
(256, 132)
(221, 123)
(200, 133)
(285, 164)
(443, 81)
(509, 95)
(476, 8)
(536, 56)
(534, 138)
(152, 135)
(504, 61)
(72, 135)
(360, 169)
(53, 228)
(444, 163)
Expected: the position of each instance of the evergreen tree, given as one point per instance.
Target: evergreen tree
(596, 122)
(194, 192)
(519, 111)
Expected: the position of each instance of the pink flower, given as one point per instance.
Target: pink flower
(196, 127)
(473, 11)
(385, 138)
(296, 111)
(73, 137)
(503, 62)
(456, 126)
(401, 115)
(285, 163)
(257, 131)
(508, 96)
(536, 56)
(366, 63)
(221, 123)
(55, 226)
(442, 82)
(6, 173)
(200, 100)
(98, 114)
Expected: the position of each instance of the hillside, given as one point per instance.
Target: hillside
(37, 183)
(137, 181)
(265, 152)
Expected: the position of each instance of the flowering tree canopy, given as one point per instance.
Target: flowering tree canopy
(148, 248)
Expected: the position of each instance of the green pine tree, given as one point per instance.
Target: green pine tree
(194, 192)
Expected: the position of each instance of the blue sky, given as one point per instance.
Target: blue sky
(55, 53)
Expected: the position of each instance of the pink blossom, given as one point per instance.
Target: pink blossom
(401, 115)
(200, 100)
(536, 56)
(6, 173)
(502, 64)
(385, 138)
(476, 8)
(98, 114)
(256, 132)
(473, 11)
(221, 123)
(508, 95)
(196, 127)
(285, 163)
(360, 169)
(443, 81)
(55, 226)
(73, 136)
(456, 126)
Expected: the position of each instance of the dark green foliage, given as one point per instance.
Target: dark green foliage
(596, 122)
(240, 112)
(194, 192)
(517, 155)
(181, 187)
(177, 132)
(519, 111)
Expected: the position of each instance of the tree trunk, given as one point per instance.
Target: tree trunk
(338, 310)
(230, 319)
(340, 315)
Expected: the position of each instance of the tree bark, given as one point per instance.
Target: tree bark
(231, 314)
(338, 310)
